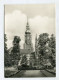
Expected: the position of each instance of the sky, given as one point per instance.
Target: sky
(41, 19)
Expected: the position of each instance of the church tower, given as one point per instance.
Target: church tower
(28, 39)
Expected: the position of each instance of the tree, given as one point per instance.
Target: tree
(5, 45)
(52, 45)
(42, 41)
(47, 47)
(32, 59)
(15, 53)
(44, 49)
(6, 54)
(24, 60)
(16, 47)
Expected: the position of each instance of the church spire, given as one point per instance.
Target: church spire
(27, 26)
(28, 39)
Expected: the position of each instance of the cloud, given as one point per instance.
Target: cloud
(15, 24)
(15, 21)
(33, 10)
(41, 24)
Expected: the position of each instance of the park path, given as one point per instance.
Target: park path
(33, 73)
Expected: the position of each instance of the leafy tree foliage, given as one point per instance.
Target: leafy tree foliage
(6, 54)
(42, 41)
(47, 47)
(5, 45)
(52, 45)
(16, 47)
(32, 59)
(15, 53)
(24, 60)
